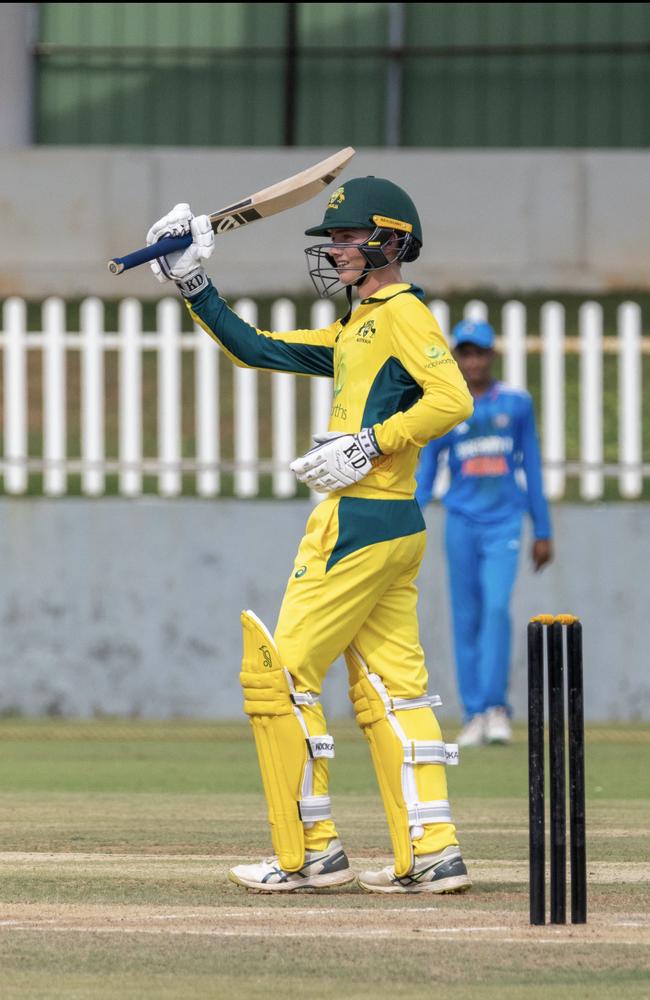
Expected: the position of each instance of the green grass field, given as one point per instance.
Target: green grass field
(115, 840)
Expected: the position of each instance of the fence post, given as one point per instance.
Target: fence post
(553, 403)
(246, 419)
(283, 390)
(169, 398)
(440, 312)
(92, 397)
(514, 344)
(591, 400)
(630, 477)
(130, 398)
(206, 382)
(322, 314)
(54, 398)
(321, 389)
(15, 396)
(476, 310)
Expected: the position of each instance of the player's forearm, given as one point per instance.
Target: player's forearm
(431, 417)
(540, 515)
(537, 503)
(532, 466)
(252, 348)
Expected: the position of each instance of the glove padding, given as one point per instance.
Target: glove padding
(184, 266)
(337, 460)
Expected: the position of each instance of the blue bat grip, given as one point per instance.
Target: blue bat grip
(159, 249)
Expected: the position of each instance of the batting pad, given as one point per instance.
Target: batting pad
(284, 746)
(395, 756)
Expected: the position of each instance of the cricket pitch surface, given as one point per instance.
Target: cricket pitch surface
(116, 839)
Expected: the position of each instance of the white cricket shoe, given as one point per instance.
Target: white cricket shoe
(441, 873)
(320, 870)
(473, 733)
(497, 726)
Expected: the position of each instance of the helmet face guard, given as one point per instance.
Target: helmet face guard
(324, 272)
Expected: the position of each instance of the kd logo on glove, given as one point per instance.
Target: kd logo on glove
(355, 456)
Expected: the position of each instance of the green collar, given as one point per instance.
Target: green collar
(402, 289)
(388, 293)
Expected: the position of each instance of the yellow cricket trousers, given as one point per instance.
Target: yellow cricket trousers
(353, 583)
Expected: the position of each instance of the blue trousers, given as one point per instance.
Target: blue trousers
(482, 566)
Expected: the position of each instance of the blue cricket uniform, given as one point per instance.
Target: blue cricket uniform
(495, 470)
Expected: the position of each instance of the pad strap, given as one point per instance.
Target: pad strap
(429, 812)
(315, 807)
(436, 752)
(300, 697)
(404, 704)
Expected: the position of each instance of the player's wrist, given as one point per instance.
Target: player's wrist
(368, 442)
(192, 284)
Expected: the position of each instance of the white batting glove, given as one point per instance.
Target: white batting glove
(338, 460)
(184, 266)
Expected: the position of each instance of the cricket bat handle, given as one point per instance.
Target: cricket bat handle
(159, 249)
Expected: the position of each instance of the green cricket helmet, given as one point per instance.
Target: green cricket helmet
(372, 203)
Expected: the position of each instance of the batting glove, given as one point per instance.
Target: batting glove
(337, 461)
(183, 267)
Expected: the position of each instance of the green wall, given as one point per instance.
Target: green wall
(473, 74)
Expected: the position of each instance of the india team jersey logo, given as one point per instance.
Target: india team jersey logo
(337, 198)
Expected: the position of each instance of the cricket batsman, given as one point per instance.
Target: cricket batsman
(352, 587)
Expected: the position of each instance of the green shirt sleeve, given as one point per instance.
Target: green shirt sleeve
(304, 352)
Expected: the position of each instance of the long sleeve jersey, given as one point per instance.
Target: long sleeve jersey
(391, 367)
(486, 454)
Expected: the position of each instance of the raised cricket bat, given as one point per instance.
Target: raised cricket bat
(271, 200)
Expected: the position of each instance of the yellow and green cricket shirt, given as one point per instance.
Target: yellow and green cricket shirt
(353, 577)
(392, 371)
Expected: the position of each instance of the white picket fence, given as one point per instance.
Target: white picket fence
(129, 341)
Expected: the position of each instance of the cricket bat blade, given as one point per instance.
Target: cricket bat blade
(269, 201)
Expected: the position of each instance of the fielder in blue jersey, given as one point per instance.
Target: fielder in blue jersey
(495, 476)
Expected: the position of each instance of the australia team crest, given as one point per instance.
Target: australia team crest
(337, 198)
(366, 333)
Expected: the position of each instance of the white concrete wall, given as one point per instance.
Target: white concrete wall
(132, 607)
(576, 220)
